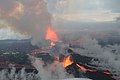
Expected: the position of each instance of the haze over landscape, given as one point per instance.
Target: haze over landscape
(78, 15)
(89, 28)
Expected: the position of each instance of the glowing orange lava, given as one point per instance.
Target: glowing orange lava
(85, 69)
(67, 62)
(81, 67)
(52, 36)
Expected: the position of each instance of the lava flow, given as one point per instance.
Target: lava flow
(85, 69)
(52, 36)
(67, 62)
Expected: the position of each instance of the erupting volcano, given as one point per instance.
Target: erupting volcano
(52, 36)
(73, 62)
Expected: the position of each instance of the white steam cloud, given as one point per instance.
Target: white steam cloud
(52, 71)
(108, 56)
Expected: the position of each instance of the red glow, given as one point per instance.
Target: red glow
(81, 67)
(107, 72)
(92, 70)
(52, 44)
(67, 62)
(36, 51)
(85, 69)
(52, 36)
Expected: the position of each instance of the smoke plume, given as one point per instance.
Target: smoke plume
(29, 17)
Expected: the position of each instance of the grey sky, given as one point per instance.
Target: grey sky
(80, 13)
(86, 10)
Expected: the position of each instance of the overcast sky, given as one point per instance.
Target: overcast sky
(64, 12)
(85, 10)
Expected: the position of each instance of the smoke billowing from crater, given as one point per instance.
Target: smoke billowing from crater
(29, 17)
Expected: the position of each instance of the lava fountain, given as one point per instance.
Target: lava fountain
(52, 36)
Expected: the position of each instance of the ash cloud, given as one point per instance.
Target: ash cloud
(29, 17)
